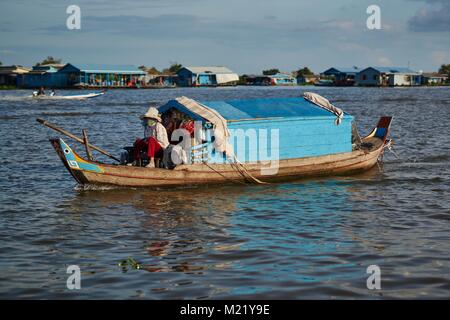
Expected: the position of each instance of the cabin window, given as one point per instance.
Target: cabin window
(375, 77)
(363, 77)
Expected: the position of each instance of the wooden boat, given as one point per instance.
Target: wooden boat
(324, 83)
(362, 158)
(69, 97)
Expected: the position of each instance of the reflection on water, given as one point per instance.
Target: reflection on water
(307, 239)
(175, 222)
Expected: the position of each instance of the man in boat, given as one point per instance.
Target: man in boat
(155, 138)
(41, 92)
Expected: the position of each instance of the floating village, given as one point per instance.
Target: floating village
(190, 142)
(215, 156)
(93, 76)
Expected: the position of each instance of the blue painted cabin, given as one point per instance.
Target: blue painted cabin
(282, 79)
(272, 129)
(102, 75)
(206, 76)
(42, 76)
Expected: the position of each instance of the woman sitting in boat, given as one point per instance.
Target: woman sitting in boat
(155, 138)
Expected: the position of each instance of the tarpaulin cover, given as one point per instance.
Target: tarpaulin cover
(325, 104)
(267, 108)
(223, 78)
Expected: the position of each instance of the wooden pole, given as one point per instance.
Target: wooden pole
(74, 137)
(86, 145)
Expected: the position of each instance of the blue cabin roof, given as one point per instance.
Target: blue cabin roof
(45, 68)
(102, 68)
(258, 108)
(342, 70)
(281, 75)
(393, 70)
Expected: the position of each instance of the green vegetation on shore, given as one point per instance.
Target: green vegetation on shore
(7, 87)
(270, 72)
(445, 69)
(49, 60)
(173, 69)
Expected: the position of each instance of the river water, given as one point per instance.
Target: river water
(313, 238)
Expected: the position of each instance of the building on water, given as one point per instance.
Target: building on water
(282, 79)
(255, 80)
(82, 75)
(9, 75)
(206, 76)
(103, 75)
(162, 80)
(341, 76)
(45, 75)
(434, 78)
(307, 79)
(278, 79)
(388, 76)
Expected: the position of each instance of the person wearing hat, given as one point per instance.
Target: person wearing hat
(155, 137)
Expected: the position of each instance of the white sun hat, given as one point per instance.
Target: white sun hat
(152, 113)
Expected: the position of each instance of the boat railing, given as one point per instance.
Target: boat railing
(199, 153)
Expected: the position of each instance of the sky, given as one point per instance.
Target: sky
(247, 36)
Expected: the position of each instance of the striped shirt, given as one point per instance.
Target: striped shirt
(156, 130)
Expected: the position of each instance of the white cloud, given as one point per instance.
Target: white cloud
(6, 51)
(440, 56)
(433, 17)
(344, 25)
(384, 62)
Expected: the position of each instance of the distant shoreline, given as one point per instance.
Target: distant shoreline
(7, 88)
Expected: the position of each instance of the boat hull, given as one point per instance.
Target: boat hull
(87, 172)
(72, 97)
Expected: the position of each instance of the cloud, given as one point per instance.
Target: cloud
(344, 25)
(185, 28)
(433, 17)
(384, 62)
(168, 25)
(132, 24)
(270, 17)
(440, 57)
(352, 47)
(6, 51)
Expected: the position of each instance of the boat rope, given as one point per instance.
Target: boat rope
(241, 172)
(390, 147)
(245, 172)
(223, 176)
(379, 164)
(241, 169)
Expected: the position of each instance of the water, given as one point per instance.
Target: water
(309, 239)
